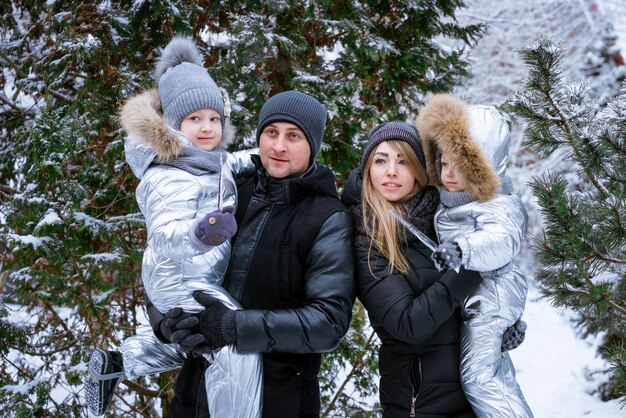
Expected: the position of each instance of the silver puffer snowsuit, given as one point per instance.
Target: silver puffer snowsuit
(175, 262)
(489, 225)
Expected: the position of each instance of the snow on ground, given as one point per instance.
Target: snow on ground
(558, 371)
(555, 367)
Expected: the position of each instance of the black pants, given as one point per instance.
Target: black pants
(189, 392)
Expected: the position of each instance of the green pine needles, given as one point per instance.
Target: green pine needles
(72, 237)
(583, 246)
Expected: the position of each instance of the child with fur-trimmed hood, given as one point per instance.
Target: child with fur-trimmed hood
(177, 134)
(480, 224)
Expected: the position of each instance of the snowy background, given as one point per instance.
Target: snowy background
(558, 372)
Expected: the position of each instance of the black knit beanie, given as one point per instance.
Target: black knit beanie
(298, 108)
(395, 130)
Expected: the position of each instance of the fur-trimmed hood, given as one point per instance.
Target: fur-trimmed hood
(476, 139)
(150, 138)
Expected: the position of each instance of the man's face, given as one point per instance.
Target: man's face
(284, 150)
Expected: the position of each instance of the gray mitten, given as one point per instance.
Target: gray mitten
(180, 328)
(513, 336)
(216, 227)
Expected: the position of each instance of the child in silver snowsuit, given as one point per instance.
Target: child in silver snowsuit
(480, 224)
(187, 193)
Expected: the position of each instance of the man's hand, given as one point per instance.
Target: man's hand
(182, 328)
(217, 322)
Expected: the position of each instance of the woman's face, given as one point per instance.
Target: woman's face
(390, 173)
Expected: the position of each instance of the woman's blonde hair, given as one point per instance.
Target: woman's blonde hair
(386, 234)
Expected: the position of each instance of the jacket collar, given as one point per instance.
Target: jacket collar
(317, 180)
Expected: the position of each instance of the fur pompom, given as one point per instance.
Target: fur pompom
(180, 49)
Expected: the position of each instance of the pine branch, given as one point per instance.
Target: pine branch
(142, 390)
(544, 59)
(355, 367)
(9, 103)
(60, 96)
(8, 190)
(18, 71)
(563, 122)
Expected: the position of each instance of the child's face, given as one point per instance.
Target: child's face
(390, 173)
(451, 177)
(203, 128)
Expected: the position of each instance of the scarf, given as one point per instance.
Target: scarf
(196, 161)
(419, 211)
(454, 199)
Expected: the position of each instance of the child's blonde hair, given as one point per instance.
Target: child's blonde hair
(386, 234)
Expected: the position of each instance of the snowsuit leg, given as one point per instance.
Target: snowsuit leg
(488, 375)
(233, 381)
(145, 354)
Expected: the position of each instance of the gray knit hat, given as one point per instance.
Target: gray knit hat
(185, 86)
(395, 130)
(298, 108)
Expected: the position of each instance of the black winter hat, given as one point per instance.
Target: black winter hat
(304, 111)
(395, 130)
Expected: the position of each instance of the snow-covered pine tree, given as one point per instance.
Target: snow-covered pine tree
(71, 232)
(603, 63)
(583, 247)
(72, 235)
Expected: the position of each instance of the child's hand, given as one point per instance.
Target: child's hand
(448, 256)
(513, 336)
(216, 227)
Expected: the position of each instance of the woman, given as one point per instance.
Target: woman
(413, 308)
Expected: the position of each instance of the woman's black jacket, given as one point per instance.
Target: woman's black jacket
(417, 318)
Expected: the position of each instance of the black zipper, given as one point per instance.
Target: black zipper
(414, 394)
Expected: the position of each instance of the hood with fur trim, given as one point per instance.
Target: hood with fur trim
(150, 138)
(476, 139)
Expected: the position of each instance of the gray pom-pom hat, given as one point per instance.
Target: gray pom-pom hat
(185, 86)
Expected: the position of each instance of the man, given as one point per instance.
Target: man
(291, 268)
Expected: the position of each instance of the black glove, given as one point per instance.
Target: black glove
(448, 256)
(176, 322)
(216, 227)
(181, 328)
(513, 336)
(217, 322)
